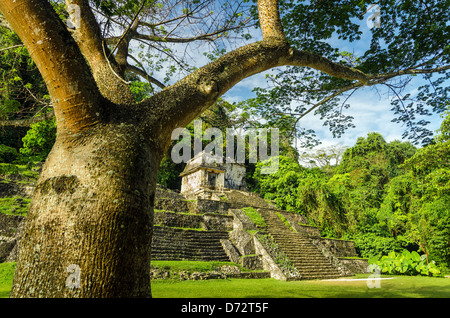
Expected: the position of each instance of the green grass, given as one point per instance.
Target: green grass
(14, 205)
(285, 221)
(24, 171)
(398, 287)
(6, 278)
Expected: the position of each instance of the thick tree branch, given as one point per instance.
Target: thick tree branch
(304, 58)
(74, 93)
(89, 39)
(188, 98)
(269, 19)
(142, 73)
(410, 71)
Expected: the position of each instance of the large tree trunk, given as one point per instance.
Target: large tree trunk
(92, 210)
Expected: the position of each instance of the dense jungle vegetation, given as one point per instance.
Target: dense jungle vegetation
(388, 197)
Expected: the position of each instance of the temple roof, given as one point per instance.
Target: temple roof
(205, 161)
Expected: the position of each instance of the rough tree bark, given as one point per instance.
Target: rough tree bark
(93, 205)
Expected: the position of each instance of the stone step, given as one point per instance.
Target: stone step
(183, 244)
(189, 256)
(312, 277)
(192, 256)
(308, 260)
(187, 241)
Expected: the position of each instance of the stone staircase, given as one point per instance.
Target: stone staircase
(308, 260)
(183, 244)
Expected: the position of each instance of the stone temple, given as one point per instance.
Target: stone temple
(206, 175)
(214, 218)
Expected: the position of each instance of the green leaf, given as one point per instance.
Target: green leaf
(415, 256)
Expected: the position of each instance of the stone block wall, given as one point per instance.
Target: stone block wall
(207, 221)
(172, 219)
(356, 265)
(202, 206)
(171, 204)
(340, 248)
(10, 228)
(241, 221)
(217, 222)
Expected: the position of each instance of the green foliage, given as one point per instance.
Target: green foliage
(169, 173)
(370, 244)
(21, 83)
(386, 196)
(404, 263)
(8, 169)
(444, 130)
(281, 185)
(8, 154)
(140, 90)
(39, 140)
(396, 206)
(14, 205)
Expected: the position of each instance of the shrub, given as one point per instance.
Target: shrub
(370, 244)
(8, 154)
(404, 263)
(39, 140)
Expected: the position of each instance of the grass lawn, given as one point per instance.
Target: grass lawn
(6, 278)
(397, 287)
